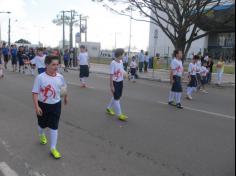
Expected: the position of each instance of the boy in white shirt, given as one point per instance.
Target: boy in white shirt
(176, 74)
(192, 75)
(117, 74)
(204, 72)
(83, 60)
(39, 61)
(133, 68)
(49, 87)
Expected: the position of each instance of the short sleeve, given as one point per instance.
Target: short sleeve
(112, 68)
(36, 87)
(173, 65)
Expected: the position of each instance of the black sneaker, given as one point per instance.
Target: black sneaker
(179, 106)
(171, 103)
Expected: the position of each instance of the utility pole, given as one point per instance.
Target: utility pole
(71, 28)
(9, 32)
(63, 30)
(9, 28)
(80, 27)
(130, 31)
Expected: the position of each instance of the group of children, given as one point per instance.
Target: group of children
(199, 74)
(50, 88)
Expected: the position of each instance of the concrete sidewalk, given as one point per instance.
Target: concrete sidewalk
(159, 75)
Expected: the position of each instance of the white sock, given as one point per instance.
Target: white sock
(117, 107)
(40, 131)
(53, 135)
(82, 80)
(171, 96)
(178, 97)
(111, 104)
(189, 91)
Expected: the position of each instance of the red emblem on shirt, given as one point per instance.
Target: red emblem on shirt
(117, 74)
(48, 92)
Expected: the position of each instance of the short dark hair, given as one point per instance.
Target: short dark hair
(119, 52)
(49, 59)
(40, 49)
(82, 47)
(176, 52)
(196, 57)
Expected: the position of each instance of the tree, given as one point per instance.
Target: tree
(23, 41)
(176, 18)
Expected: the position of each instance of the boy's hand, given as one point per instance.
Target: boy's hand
(112, 89)
(65, 100)
(39, 111)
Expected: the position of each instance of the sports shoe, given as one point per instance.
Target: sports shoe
(179, 106)
(43, 139)
(110, 112)
(171, 103)
(122, 117)
(189, 97)
(55, 153)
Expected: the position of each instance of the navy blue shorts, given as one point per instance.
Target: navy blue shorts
(118, 90)
(14, 60)
(84, 71)
(177, 85)
(193, 81)
(51, 115)
(41, 70)
(204, 80)
(133, 71)
(6, 58)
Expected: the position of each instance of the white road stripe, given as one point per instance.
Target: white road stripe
(6, 170)
(205, 112)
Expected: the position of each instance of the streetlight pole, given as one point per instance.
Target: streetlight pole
(130, 31)
(9, 29)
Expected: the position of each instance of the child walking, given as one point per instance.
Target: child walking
(83, 60)
(176, 74)
(49, 87)
(192, 71)
(117, 74)
(133, 68)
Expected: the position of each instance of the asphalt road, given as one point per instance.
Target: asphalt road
(158, 140)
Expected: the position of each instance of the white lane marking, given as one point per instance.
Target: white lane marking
(204, 111)
(6, 170)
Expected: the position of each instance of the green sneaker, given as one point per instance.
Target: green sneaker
(110, 112)
(43, 139)
(123, 117)
(55, 153)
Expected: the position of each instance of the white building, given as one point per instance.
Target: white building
(166, 48)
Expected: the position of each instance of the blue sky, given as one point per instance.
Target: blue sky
(32, 19)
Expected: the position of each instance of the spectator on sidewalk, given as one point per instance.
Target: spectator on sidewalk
(220, 70)
(141, 59)
(66, 58)
(126, 61)
(210, 65)
(146, 62)
(13, 52)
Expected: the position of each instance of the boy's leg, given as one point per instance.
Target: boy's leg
(53, 137)
(178, 97)
(171, 96)
(111, 104)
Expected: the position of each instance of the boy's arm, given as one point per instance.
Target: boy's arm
(38, 110)
(111, 84)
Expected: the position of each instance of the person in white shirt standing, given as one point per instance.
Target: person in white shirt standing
(204, 72)
(133, 68)
(176, 74)
(126, 62)
(117, 74)
(192, 71)
(39, 61)
(83, 60)
(199, 66)
(49, 87)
